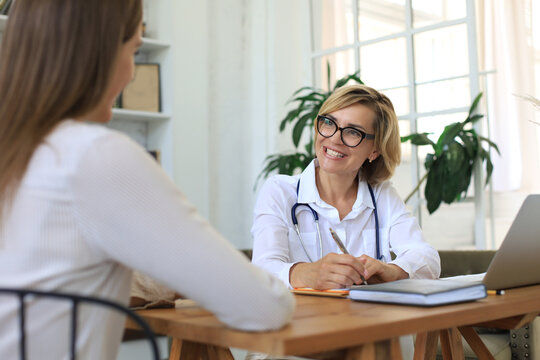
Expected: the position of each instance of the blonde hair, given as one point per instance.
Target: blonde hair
(56, 62)
(385, 125)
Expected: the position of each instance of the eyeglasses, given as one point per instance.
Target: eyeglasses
(350, 136)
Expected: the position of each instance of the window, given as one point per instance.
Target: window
(417, 52)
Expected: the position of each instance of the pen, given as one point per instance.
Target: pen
(495, 292)
(343, 249)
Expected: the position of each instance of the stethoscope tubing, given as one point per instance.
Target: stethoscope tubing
(316, 220)
(377, 241)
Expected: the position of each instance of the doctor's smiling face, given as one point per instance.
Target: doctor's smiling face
(338, 150)
(358, 115)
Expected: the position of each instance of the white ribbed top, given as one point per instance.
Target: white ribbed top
(92, 206)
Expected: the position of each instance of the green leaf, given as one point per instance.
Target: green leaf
(430, 158)
(328, 73)
(473, 137)
(491, 143)
(450, 189)
(418, 139)
(344, 80)
(271, 165)
(299, 128)
(453, 184)
(475, 103)
(455, 157)
(433, 190)
(489, 168)
(473, 119)
(484, 156)
(312, 96)
(282, 165)
(469, 145)
(300, 90)
(465, 180)
(448, 135)
(291, 115)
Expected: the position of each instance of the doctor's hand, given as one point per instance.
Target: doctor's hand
(376, 271)
(333, 271)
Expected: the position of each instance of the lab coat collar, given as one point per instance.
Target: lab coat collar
(309, 194)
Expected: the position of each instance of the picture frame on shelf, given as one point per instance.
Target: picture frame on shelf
(143, 93)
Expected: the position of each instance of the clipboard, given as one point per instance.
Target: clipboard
(340, 293)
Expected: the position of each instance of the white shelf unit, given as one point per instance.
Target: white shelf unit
(150, 45)
(151, 130)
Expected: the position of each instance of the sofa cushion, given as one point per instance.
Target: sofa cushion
(464, 262)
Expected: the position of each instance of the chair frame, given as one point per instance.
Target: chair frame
(75, 301)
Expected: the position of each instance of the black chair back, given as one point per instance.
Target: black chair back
(75, 300)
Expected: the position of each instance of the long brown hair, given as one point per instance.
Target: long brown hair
(385, 125)
(56, 61)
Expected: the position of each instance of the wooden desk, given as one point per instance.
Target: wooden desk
(348, 329)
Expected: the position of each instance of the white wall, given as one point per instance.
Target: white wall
(235, 64)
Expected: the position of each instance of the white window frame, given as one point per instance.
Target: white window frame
(474, 76)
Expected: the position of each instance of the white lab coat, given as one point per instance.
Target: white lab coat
(277, 247)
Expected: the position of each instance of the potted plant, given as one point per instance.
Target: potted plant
(450, 166)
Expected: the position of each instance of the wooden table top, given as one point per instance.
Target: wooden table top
(323, 324)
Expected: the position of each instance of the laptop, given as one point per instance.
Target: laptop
(517, 262)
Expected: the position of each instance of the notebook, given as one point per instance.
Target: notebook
(342, 293)
(423, 292)
(517, 262)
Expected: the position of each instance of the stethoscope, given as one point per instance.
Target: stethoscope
(316, 220)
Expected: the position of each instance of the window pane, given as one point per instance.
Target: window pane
(384, 64)
(427, 12)
(404, 130)
(441, 53)
(451, 227)
(341, 64)
(400, 100)
(457, 219)
(378, 18)
(443, 95)
(333, 24)
(402, 179)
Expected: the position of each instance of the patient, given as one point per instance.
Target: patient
(82, 205)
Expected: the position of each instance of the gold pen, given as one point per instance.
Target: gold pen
(343, 249)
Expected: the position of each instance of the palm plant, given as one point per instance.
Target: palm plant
(450, 166)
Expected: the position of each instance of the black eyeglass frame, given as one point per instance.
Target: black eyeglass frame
(363, 133)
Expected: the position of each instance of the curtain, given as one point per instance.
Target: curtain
(506, 46)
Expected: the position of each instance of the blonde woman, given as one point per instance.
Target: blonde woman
(345, 188)
(82, 205)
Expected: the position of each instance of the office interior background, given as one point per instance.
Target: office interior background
(229, 67)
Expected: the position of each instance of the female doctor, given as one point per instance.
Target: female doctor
(345, 188)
